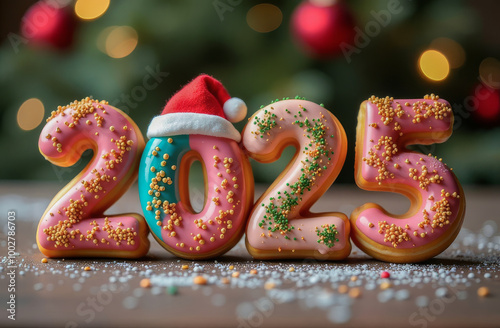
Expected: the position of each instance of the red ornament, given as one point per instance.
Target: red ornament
(44, 24)
(486, 102)
(322, 26)
(385, 275)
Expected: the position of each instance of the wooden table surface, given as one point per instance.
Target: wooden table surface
(441, 292)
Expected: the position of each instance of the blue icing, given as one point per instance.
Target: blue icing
(175, 150)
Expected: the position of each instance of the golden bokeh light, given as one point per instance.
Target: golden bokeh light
(489, 72)
(453, 51)
(264, 18)
(118, 41)
(102, 37)
(30, 114)
(91, 9)
(434, 65)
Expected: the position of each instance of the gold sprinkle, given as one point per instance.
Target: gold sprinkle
(269, 285)
(145, 283)
(343, 289)
(483, 291)
(385, 285)
(355, 292)
(200, 280)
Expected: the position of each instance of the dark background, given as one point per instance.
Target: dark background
(185, 38)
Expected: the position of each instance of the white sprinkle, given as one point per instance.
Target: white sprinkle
(339, 314)
(38, 286)
(245, 310)
(385, 296)
(402, 295)
(130, 302)
(370, 286)
(422, 301)
(441, 292)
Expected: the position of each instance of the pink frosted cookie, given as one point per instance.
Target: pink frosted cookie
(74, 224)
(281, 224)
(383, 163)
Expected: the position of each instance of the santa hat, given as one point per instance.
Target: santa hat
(203, 107)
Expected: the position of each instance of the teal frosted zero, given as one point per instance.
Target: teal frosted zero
(164, 194)
(175, 150)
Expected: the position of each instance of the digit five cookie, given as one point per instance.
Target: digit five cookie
(386, 126)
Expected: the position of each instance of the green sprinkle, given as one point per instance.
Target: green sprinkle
(172, 290)
(328, 235)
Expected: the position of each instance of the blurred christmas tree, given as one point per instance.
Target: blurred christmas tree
(136, 54)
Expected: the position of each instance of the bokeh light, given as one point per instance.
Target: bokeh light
(323, 3)
(30, 114)
(489, 72)
(264, 18)
(453, 51)
(434, 65)
(91, 9)
(102, 37)
(118, 41)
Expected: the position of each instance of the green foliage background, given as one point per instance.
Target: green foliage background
(185, 38)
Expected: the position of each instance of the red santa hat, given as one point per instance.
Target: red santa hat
(203, 107)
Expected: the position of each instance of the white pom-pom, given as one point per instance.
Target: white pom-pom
(235, 110)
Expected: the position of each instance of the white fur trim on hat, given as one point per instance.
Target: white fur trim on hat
(192, 123)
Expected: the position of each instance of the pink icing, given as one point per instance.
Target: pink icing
(73, 141)
(207, 147)
(268, 149)
(426, 198)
